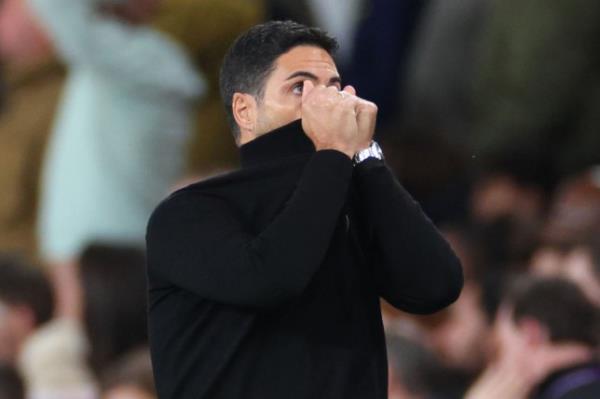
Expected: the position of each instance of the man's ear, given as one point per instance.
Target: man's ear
(244, 106)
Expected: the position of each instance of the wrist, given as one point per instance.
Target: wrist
(349, 152)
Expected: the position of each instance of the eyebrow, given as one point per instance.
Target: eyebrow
(312, 76)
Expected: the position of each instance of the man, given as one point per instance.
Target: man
(265, 282)
(548, 333)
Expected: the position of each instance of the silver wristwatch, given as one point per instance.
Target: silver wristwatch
(372, 151)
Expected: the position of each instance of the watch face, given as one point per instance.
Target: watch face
(376, 150)
(373, 151)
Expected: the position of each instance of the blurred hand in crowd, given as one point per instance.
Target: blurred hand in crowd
(581, 266)
(501, 195)
(508, 375)
(501, 381)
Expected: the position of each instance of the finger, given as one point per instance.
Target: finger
(366, 116)
(350, 90)
(331, 95)
(333, 91)
(366, 107)
(307, 88)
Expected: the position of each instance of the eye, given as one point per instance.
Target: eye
(297, 88)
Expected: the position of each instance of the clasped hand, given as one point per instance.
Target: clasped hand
(338, 120)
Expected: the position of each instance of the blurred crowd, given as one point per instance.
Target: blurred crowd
(489, 114)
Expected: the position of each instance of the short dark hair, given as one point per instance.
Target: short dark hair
(251, 58)
(24, 284)
(113, 279)
(559, 305)
(11, 383)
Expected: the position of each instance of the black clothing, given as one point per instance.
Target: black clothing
(265, 282)
(581, 381)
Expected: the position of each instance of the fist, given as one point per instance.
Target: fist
(329, 118)
(336, 119)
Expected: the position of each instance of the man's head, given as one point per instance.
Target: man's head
(263, 73)
(22, 40)
(541, 316)
(26, 301)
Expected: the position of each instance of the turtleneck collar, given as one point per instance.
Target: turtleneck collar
(283, 142)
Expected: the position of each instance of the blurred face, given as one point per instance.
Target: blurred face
(16, 323)
(547, 261)
(282, 100)
(461, 339)
(127, 392)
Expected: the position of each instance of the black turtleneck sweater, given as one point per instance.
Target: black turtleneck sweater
(265, 282)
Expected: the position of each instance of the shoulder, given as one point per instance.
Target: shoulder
(184, 203)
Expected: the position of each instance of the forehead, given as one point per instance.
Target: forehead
(305, 58)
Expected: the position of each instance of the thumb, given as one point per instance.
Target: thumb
(366, 117)
(307, 88)
(350, 90)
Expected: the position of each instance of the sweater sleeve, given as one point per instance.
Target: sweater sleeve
(196, 242)
(416, 270)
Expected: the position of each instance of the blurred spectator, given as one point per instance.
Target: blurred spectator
(567, 238)
(130, 378)
(54, 365)
(120, 136)
(29, 90)
(415, 373)
(26, 302)
(212, 146)
(11, 385)
(113, 280)
(575, 209)
(507, 215)
(538, 89)
(578, 262)
(547, 259)
(548, 334)
(462, 338)
(66, 357)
